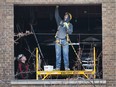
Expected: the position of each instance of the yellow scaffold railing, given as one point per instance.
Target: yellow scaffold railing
(45, 74)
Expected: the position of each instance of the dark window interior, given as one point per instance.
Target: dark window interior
(87, 23)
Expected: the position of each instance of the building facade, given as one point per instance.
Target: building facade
(7, 39)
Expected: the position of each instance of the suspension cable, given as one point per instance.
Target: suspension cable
(74, 51)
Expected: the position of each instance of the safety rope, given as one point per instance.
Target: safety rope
(68, 39)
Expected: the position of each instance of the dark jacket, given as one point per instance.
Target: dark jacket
(22, 71)
(62, 30)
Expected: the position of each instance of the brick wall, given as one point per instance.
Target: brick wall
(7, 32)
(6, 43)
(109, 35)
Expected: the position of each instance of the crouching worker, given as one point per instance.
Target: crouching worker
(23, 67)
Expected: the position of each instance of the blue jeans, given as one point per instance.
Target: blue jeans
(62, 45)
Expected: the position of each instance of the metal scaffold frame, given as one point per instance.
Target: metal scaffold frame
(45, 74)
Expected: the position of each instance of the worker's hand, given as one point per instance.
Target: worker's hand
(57, 6)
(66, 25)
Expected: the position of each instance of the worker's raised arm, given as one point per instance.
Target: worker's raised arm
(57, 16)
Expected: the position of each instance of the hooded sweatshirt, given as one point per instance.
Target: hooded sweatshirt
(64, 27)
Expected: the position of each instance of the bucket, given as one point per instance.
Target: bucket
(48, 68)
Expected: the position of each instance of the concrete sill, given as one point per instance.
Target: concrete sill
(58, 81)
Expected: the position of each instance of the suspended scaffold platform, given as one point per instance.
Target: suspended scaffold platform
(85, 73)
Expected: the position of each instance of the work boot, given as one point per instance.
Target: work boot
(67, 69)
(57, 69)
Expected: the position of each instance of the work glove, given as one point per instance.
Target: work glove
(66, 25)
